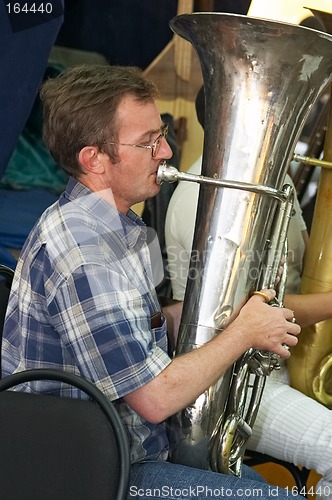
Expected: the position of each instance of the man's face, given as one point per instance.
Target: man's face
(133, 178)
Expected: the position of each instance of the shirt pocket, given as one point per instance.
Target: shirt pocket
(159, 330)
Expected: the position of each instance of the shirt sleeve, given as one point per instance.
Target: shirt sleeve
(296, 246)
(179, 232)
(298, 215)
(297, 211)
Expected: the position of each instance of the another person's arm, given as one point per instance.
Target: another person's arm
(309, 308)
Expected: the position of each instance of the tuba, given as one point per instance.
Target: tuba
(310, 366)
(261, 79)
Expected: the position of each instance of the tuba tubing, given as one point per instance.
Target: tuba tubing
(261, 79)
(310, 366)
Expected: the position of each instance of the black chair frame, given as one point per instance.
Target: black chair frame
(300, 475)
(6, 278)
(98, 397)
(7, 272)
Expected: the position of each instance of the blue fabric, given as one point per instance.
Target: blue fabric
(154, 480)
(19, 211)
(23, 59)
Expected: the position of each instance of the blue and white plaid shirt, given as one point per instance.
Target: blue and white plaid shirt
(82, 300)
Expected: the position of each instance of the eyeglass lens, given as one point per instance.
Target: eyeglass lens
(157, 142)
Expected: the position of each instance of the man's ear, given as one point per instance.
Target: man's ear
(92, 160)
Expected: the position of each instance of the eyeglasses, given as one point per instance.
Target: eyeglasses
(154, 147)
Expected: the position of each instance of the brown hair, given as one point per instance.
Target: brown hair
(80, 109)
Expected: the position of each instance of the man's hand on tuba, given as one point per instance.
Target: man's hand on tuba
(265, 327)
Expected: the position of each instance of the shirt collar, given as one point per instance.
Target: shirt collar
(130, 225)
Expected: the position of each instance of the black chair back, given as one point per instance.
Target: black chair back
(60, 448)
(6, 278)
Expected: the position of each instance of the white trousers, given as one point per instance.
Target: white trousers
(293, 427)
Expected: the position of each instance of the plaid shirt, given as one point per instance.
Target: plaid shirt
(82, 300)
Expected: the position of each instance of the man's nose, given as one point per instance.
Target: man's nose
(165, 150)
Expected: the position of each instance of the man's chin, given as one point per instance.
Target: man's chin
(158, 188)
(155, 190)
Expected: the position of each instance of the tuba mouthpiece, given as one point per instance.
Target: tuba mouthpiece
(167, 173)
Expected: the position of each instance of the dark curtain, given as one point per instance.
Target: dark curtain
(126, 32)
(25, 42)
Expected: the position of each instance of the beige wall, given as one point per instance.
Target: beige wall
(192, 146)
(291, 11)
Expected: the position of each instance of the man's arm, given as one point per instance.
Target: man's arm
(310, 308)
(258, 325)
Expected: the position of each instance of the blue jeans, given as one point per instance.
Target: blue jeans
(155, 480)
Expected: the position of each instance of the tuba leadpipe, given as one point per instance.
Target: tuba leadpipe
(171, 174)
(261, 79)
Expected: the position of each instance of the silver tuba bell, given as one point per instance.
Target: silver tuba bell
(261, 79)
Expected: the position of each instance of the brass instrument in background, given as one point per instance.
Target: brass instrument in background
(310, 365)
(261, 79)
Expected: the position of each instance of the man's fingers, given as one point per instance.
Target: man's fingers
(267, 294)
